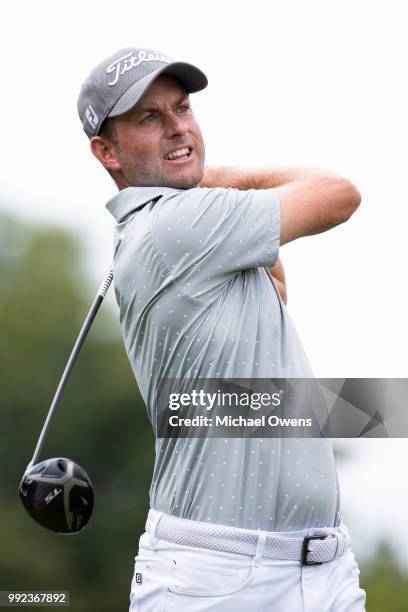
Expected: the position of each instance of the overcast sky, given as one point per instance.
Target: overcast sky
(321, 82)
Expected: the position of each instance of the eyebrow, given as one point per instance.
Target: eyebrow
(152, 109)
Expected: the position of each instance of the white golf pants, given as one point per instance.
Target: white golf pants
(176, 578)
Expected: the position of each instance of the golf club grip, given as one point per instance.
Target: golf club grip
(74, 354)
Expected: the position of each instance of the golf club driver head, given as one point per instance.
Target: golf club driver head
(58, 494)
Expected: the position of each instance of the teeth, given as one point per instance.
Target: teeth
(178, 153)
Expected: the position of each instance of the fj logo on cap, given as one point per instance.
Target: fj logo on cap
(129, 61)
(91, 116)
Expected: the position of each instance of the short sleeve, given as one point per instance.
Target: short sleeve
(205, 235)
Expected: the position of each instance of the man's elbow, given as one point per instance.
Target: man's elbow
(349, 199)
(353, 197)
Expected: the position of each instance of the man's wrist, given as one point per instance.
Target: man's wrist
(231, 177)
(220, 176)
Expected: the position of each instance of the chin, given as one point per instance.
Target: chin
(183, 182)
(188, 185)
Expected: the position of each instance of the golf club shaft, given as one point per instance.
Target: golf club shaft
(74, 354)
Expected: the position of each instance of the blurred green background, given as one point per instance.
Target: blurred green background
(101, 424)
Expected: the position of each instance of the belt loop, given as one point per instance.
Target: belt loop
(343, 542)
(153, 538)
(260, 545)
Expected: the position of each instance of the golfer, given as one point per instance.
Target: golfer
(235, 524)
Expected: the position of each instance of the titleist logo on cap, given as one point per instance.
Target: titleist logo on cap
(130, 60)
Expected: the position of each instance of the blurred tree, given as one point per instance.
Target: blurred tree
(385, 582)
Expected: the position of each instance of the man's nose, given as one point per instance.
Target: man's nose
(175, 125)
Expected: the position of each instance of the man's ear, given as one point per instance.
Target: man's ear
(105, 152)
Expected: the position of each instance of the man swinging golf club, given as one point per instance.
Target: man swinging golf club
(235, 524)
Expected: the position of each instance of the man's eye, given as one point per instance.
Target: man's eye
(183, 108)
(149, 118)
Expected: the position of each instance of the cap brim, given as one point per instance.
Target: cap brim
(190, 77)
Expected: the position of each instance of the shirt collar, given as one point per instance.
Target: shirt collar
(134, 198)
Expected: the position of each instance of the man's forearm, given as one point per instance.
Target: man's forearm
(241, 178)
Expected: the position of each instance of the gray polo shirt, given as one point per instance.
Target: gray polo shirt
(196, 300)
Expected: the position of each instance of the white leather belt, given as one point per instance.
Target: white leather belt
(320, 546)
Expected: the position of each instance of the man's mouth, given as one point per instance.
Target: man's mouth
(182, 153)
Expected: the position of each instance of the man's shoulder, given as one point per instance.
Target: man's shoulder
(190, 202)
(132, 199)
(198, 194)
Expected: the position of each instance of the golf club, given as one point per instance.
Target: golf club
(57, 493)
